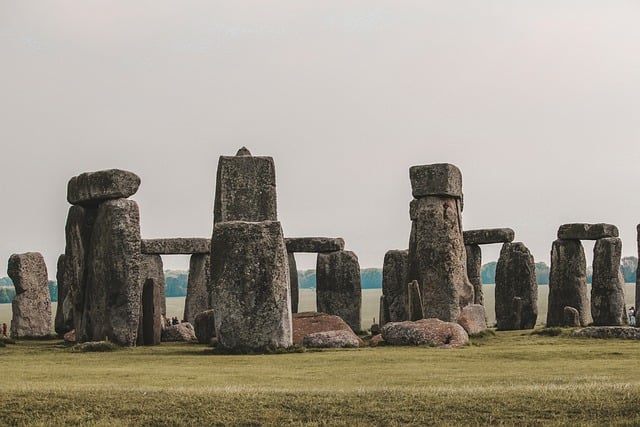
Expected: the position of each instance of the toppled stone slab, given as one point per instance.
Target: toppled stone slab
(331, 339)
(440, 179)
(488, 236)
(177, 246)
(581, 231)
(314, 244)
(622, 332)
(433, 332)
(181, 332)
(92, 188)
(473, 319)
(205, 326)
(309, 322)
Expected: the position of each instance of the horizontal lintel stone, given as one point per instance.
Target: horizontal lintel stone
(91, 188)
(488, 235)
(176, 246)
(582, 231)
(440, 179)
(314, 244)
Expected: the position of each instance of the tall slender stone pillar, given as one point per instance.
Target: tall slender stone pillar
(394, 285)
(607, 287)
(474, 271)
(293, 279)
(152, 285)
(198, 289)
(568, 283)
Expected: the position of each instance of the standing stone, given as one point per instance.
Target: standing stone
(64, 320)
(245, 189)
(92, 188)
(571, 317)
(31, 306)
(250, 285)
(383, 313)
(152, 300)
(516, 288)
(198, 293)
(607, 287)
(416, 311)
(112, 306)
(205, 326)
(474, 272)
(338, 289)
(394, 285)
(293, 280)
(568, 283)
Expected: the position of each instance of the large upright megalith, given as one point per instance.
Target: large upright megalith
(437, 257)
(338, 289)
(568, 283)
(394, 286)
(250, 285)
(607, 287)
(152, 300)
(516, 291)
(63, 322)
(31, 306)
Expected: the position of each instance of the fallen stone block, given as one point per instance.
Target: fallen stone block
(331, 339)
(432, 332)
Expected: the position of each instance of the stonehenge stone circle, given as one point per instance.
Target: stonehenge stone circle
(198, 297)
(177, 246)
(152, 303)
(488, 236)
(607, 288)
(91, 188)
(474, 271)
(250, 285)
(31, 306)
(314, 244)
(293, 282)
(587, 231)
(516, 290)
(338, 289)
(64, 314)
(394, 286)
(568, 283)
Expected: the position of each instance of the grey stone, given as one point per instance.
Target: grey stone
(474, 272)
(437, 257)
(250, 285)
(113, 294)
(473, 319)
(607, 332)
(31, 306)
(177, 246)
(516, 278)
(152, 303)
(314, 244)
(432, 332)
(568, 283)
(383, 312)
(488, 236)
(607, 287)
(205, 326)
(245, 189)
(416, 310)
(637, 306)
(181, 332)
(394, 285)
(92, 188)
(64, 319)
(441, 179)
(198, 297)
(331, 339)
(587, 231)
(571, 317)
(293, 282)
(309, 322)
(338, 289)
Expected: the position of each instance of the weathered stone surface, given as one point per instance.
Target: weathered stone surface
(152, 301)
(250, 285)
(64, 319)
(92, 188)
(437, 257)
(338, 289)
(488, 236)
(331, 339)
(32, 304)
(474, 272)
(607, 287)
(433, 332)
(112, 304)
(637, 306)
(70, 337)
(198, 297)
(587, 231)
(205, 326)
(245, 189)
(177, 246)
(394, 285)
(376, 341)
(516, 278)
(309, 322)
(619, 332)
(293, 282)
(473, 319)
(441, 179)
(314, 244)
(416, 311)
(181, 332)
(571, 317)
(383, 312)
(568, 283)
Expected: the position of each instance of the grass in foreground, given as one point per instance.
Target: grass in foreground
(509, 378)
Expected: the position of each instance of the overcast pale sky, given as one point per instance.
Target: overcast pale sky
(538, 103)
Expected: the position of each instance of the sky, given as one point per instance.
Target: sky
(538, 104)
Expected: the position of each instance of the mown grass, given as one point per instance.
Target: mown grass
(507, 378)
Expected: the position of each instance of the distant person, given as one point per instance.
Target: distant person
(632, 316)
(4, 329)
(175, 320)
